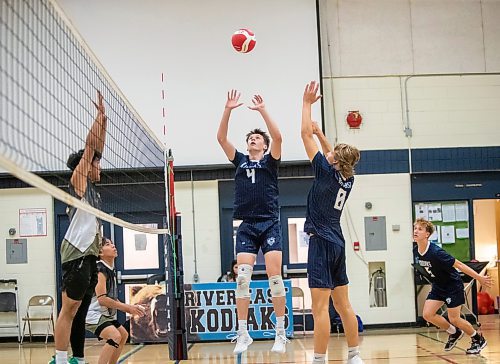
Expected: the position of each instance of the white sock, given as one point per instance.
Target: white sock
(352, 352)
(319, 358)
(451, 330)
(61, 357)
(242, 325)
(79, 360)
(280, 323)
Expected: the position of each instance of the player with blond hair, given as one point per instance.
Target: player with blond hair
(447, 287)
(326, 261)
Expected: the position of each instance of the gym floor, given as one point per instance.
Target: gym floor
(399, 346)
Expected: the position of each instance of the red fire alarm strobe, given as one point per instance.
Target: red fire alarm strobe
(356, 246)
(354, 119)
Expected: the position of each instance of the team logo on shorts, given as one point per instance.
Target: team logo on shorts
(448, 300)
(271, 241)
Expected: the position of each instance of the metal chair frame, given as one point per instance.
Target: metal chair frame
(39, 301)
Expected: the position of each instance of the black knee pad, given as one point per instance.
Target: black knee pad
(112, 343)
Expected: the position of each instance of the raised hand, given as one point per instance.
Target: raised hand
(316, 128)
(311, 93)
(258, 103)
(100, 106)
(136, 310)
(233, 97)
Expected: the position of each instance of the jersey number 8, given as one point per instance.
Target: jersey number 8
(340, 200)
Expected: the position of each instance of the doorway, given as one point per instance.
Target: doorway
(487, 238)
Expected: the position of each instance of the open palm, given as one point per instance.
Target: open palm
(233, 97)
(258, 103)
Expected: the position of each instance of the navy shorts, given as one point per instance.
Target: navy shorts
(451, 299)
(255, 234)
(325, 264)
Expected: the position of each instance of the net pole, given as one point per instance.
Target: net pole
(174, 269)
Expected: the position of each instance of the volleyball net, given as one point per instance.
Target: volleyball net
(64, 124)
(49, 101)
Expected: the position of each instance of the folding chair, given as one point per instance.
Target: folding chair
(40, 308)
(297, 292)
(479, 268)
(9, 306)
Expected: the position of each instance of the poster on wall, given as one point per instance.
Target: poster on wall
(462, 233)
(434, 211)
(155, 325)
(461, 212)
(449, 213)
(448, 234)
(421, 211)
(32, 222)
(211, 311)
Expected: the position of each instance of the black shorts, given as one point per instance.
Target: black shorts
(326, 266)
(79, 277)
(105, 324)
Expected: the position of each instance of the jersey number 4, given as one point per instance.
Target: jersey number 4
(251, 174)
(340, 200)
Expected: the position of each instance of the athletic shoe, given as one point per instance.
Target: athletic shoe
(73, 360)
(453, 339)
(243, 341)
(477, 345)
(280, 341)
(355, 360)
(70, 360)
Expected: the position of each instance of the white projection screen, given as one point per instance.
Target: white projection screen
(189, 42)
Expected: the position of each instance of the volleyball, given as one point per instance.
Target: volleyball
(243, 40)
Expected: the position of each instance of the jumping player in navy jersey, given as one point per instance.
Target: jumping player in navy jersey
(447, 288)
(326, 268)
(256, 203)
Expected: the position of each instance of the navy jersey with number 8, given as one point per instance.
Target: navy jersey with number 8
(326, 201)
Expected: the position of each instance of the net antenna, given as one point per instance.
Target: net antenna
(49, 78)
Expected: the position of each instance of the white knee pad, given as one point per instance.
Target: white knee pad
(243, 280)
(277, 287)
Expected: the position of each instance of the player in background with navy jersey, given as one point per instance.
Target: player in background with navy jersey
(326, 266)
(447, 287)
(256, 203)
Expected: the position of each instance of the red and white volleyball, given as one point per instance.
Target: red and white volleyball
(243, 40)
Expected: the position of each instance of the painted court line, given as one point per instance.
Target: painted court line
(130, 353)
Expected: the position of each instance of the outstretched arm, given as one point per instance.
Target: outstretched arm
(105, 301)
(484, 280)
(274, 131)
(306, 132)
(325, 144)
(233, 97)
(93, 143)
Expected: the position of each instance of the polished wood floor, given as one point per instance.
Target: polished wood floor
(395, 346)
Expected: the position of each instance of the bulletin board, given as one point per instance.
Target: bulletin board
(451, 219)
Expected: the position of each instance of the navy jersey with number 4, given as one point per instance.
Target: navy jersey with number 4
(439, 264)
(326, 200)
(256, 187)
